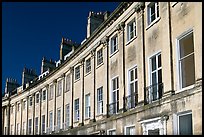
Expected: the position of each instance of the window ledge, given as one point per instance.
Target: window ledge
(99, 65)
(153, 22)
(186, 88)
(87, 73)
(98, 115)
(130, 40)
(114, 53)
(76, 80)
(86, 119)
(75, 122)
(173, 4)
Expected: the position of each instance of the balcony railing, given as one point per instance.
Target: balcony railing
(154, 92)
(57, 128)
(49, 130)
(113, 108)
(131, 101)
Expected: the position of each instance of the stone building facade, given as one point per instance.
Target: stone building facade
(139, 71)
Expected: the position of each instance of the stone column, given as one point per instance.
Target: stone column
(15, 113)
(63, 89)
(72, 96)
(94, 84)
(47, 89)
(33, 95)
(21, 102)
(3, 115)
(55, 87)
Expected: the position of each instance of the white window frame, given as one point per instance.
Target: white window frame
(176, 120)
(129, 126)
(155, 5)
(67, 116)
(134, 81)
(51, 120)
(36, 126)
(18, 106)
(44, 95)
(59, 118)
(12, 130)
(59, 87)
(24, 128)
(29, 126)
(134, 31)
(154, 123)
(99, 56)
(18, 129)
(100, 102)
(76, 111)
(113, 44)
(116, 90)
(30, 101)
(87, 106)
(68, 82)
(88, 65)
(110, 130)
(150, 72)
(179, 75)
(77, 73)
(43, 124)
(12, 108)
(37, 97)
(51, 92)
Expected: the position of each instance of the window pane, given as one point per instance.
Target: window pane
(154, 78)
(185, 124)
(186, 45)
(131, 75)
(131, 88)
(135, 73)
(160, 76)
(188, 71)
(159, 60)
(153, 63)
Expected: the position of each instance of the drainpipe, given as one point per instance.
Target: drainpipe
(171, 54)
(8, 117)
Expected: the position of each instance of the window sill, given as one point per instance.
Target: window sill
(75, 122)
(87, 73)
(130, 40)
(186, 88)
(86, 119)
(99, 65)
(58, 95)
(66, 91)
(173, 4)
(76, 80)
(152, 23)
(99, 115)
(114, 53)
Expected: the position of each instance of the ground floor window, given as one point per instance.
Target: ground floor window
(154, 126)
(130, 130)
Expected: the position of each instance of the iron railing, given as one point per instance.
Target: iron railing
(153, 92)
(113, 108)
(131, 101)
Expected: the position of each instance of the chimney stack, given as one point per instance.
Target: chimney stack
(46, 64)
(95, 20)
(11, 84)
(28, 75)
(66, 47)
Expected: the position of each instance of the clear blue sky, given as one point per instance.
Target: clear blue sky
(31, 30)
